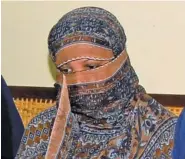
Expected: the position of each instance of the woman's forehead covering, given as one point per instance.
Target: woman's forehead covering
(90, 25)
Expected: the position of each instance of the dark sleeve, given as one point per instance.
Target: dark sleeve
(179, 140)
(11, 124)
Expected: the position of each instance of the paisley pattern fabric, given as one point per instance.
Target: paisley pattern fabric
(112, 118)
(100, 26)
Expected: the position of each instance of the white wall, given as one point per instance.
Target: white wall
(155, 32)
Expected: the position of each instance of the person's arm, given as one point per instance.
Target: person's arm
(179, 140)
(12, 126)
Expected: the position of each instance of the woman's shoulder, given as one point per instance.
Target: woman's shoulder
(158, 125)
(37, 133)
(44, 117)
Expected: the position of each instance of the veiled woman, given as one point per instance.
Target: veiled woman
(102, 112)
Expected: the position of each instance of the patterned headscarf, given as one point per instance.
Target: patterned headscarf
(87, 24)
(106, 117)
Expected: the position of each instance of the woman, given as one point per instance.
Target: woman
(179, 139)
(101, 111)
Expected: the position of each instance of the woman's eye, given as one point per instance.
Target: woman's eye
(66, 70)
(92, 66)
